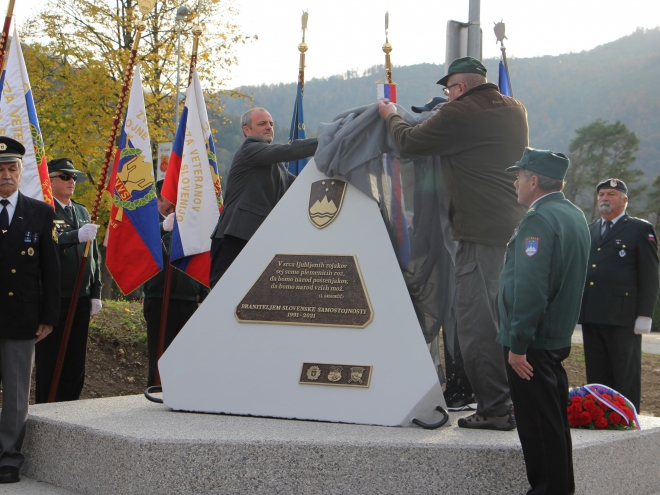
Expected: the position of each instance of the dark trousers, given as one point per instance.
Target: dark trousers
(613, 357)
(178, 314)
(540, 408)
(72, 378)
(223, 253)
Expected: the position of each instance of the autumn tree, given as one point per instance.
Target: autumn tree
(600, 151)
(81, 64)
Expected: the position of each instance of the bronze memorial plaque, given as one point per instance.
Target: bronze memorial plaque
(343, 375)
(308, 289)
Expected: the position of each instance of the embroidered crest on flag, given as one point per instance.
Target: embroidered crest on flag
(532, 246)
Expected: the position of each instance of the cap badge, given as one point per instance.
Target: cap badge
(613, 183)
(3, 146)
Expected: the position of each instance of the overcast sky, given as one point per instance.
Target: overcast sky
(348, 34)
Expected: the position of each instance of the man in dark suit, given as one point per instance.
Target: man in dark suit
(256, 182)
(28, 260)
(619, 294)
(73, 230)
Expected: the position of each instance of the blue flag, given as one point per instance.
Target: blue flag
(298, 131)
(503, 83)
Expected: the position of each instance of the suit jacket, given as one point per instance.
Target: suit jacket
(72, 250)
(622, 275)
(257, 180)
(29, 259)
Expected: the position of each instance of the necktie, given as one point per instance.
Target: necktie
(69, 210)
(4, 215)
(608, 226)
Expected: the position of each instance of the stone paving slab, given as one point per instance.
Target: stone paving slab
(29, 486)
(127, 445)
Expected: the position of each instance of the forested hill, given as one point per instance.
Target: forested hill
(616, 81)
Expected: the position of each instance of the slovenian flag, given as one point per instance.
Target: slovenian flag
(192, 184)
(18, 119)
(134, 252)
(394, 205)
(298, 131)
(503, 82)
(385, 90)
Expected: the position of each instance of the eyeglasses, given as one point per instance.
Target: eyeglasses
(446, 90)
(64, 177)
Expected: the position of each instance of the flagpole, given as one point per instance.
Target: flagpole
(387, 48)
(5, 32)
(500, 35)
(197, 32)
(302, 48)
(128, 75)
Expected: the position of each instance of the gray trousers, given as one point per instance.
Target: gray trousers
(478, 269)
(16, 358)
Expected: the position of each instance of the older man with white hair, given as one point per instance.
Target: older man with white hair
(620, 293)
(29, 298)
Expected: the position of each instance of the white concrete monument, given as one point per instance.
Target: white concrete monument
(312, 321)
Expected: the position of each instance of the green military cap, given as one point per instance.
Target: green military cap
(543, 162)
(65, 165)
(464, 65)
(10, 150)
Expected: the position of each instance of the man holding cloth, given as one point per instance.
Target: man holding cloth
(539, 303)
(478, 134)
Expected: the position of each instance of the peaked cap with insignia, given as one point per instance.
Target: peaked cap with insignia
(65, 165)
(10, 150)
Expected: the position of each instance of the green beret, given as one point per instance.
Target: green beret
(65, 165)
(543, 162)
(464, 65)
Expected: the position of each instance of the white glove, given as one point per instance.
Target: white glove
(168, 223)
(642, 325)
(96, 306)
(87, 232)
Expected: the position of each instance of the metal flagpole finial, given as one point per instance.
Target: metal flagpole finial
(499, 32)
(146, 6)
(302, 47)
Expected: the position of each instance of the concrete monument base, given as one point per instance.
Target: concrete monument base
(127, 445)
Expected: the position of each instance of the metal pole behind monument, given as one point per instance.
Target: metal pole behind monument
(145, 8)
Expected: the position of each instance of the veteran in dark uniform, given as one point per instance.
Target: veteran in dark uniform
(29, 298)
(186, 294)
(620, 293)
(257, 180)
(74, 230)
(539, 303)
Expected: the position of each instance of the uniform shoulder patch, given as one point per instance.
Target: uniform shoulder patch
(651, 237)
(532, 245)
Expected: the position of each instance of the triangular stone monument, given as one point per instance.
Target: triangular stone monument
(312, 321)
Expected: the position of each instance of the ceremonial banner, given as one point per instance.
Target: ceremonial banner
(298, 131)
(503, 82)
(134, 253)
(192, 184)
(18, 120)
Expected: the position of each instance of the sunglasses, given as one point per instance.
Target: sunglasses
(64, 177)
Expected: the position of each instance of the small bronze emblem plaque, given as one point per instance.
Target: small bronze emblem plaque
(344, 375)
(325, 200)
(305, 289)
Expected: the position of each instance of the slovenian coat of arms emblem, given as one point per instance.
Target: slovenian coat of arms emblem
(532, 246)
(325, 200)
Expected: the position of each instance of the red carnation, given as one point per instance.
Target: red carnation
(597, 413)
(573, 420)
(615, 418)
(585, 418)
(601, 423)
(589, 405)
(576, 399)
(590, 396)
(619, 400)
(577, 408)
(628, 412)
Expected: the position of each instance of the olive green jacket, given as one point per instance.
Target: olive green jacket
(543, 276)
(478, 135)
(71, 252)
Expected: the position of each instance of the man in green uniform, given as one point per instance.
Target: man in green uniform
(186, 294)
(74, 230)
(539, 302)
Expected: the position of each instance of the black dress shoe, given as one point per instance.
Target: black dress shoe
(9, 474)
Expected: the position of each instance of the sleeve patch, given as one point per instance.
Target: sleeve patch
(651, 238)
(532, 245)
